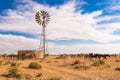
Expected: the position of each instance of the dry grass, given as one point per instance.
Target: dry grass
(52, 69)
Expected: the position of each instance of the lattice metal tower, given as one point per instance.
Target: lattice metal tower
(43, 18)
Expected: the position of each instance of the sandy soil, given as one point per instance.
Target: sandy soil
(64, 69)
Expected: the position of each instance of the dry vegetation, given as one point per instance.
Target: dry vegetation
(52, 68)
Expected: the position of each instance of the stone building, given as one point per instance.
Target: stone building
(30, 54)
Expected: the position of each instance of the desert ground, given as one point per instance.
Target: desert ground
(64, 69)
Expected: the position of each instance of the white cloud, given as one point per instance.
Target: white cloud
(112, 7)
(115, 8)
(12, 43)
(66, 23)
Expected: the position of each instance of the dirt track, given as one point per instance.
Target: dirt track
(65, 73)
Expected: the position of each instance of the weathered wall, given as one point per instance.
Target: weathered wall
(29, 54)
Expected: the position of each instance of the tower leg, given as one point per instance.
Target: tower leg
(44, 42)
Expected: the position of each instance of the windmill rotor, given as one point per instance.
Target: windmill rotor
(42, 17)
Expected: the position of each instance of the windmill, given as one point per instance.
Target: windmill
(43, 18)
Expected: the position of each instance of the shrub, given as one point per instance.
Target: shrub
(117, 60)
(54, 78)
(0, 63)
(118, 69)
(98, 63)
(13, 64)
(48, 62)
(35, 65)
(82, 67)
(56, 61)
(101, 62)
(28, 77)
(14, 72)
(39, 75)
(76, 62)
(6, 63)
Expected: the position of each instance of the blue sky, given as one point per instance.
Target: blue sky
(74, 23)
